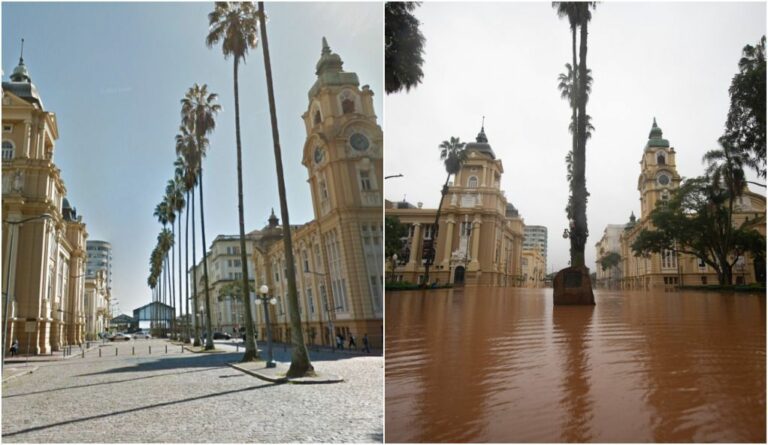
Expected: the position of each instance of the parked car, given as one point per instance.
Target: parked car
(142, 334)
(120, 337)
(218, 336)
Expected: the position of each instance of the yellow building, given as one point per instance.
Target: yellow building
(610, 277)
(480, 235)
(658, 177)
(339, 254)
(43, 238)
(534, 267)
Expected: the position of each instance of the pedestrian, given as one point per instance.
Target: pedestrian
(15, 347)
(340, 342)
(352, 342)
(365, 343)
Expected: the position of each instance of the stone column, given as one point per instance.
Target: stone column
(474, 264)
(10, 278)
(414, 260)
(27, 135)
(448, 242)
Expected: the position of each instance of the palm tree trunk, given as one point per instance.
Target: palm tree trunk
(300, 364)
(196, 341)
(251, 352)
(579, 159)
(172, 277)
(431, 257)
(574, 119)
(186, 274)
(181, 305)
(209, 337)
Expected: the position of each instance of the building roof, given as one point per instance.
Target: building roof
(654, 137)
(21, 84)
(481, 144)
(329, 72)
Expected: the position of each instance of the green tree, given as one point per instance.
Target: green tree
(403, 47)
(300, 364)
(698, 220)
(235, 25)
(453, 154)
(394, 231)
(745, 125)
(198, 115)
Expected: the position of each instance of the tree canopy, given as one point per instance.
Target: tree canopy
(394, 230)
(745, 125)
(403, 47)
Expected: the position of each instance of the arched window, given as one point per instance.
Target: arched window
(472, 182)
(347, 102)
(318, 118)
(7, 150)
(660, 159)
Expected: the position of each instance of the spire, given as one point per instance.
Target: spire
(20, 73)
(273, 219)
(481, 137)
(654, 137)
(326, 49)
(329, 62)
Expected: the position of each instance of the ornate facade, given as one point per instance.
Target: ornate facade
(43, 238)
(480, 234)
(658, 178)
(339, 254)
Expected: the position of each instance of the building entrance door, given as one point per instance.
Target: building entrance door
(458, 275)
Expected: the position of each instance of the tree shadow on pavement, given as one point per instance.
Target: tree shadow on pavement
(88, 385)
(132, 410)
(165, 363)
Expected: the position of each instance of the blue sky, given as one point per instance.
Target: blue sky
(114, 74)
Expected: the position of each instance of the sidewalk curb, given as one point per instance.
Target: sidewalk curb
(26, 371)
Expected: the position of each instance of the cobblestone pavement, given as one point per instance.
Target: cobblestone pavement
(189, 398)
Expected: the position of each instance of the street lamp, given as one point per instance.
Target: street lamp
(264, 290)
(8, 275)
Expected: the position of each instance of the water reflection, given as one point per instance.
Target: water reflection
(479, 365)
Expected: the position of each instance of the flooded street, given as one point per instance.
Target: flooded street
(504, 365)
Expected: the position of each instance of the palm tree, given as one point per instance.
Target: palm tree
(171, 204)
(404, 47)
(198, 112)
(453, 155)
(176, 204)
(300, 364)
(180, 173)
(186, 143)
(165, 240)
(579, 15)
(235, 25)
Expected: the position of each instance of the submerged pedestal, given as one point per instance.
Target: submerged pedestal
(572, 285)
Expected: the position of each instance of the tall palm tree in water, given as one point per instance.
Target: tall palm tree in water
(453, 155)
(235, 25)
(300, 364)
(198, 113)
(579, 15)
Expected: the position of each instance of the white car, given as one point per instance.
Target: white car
(120, 336)
(142, 335)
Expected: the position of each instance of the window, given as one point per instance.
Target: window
(310, 302)
(7, 128)
(305, 260)
(702, 264)
(660, 159)
(323, 190)
(7, 150)
(236, 263)
(365, 181)
(472, 182)
(347, 102)
(704, 280)
(318, 118)
(668, 259)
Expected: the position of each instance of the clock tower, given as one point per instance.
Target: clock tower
(658, 172)
(343, 149)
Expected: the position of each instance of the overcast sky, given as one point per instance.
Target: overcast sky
(672, 61)
(114, 74)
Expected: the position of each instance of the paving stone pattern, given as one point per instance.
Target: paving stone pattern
(190, 398)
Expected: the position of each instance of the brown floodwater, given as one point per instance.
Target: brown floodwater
(504, 365)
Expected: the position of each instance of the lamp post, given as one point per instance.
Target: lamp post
(8, 276)
(266, 300)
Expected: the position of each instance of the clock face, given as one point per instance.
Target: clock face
(359, 142)
(319, 155)
(663, 179)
